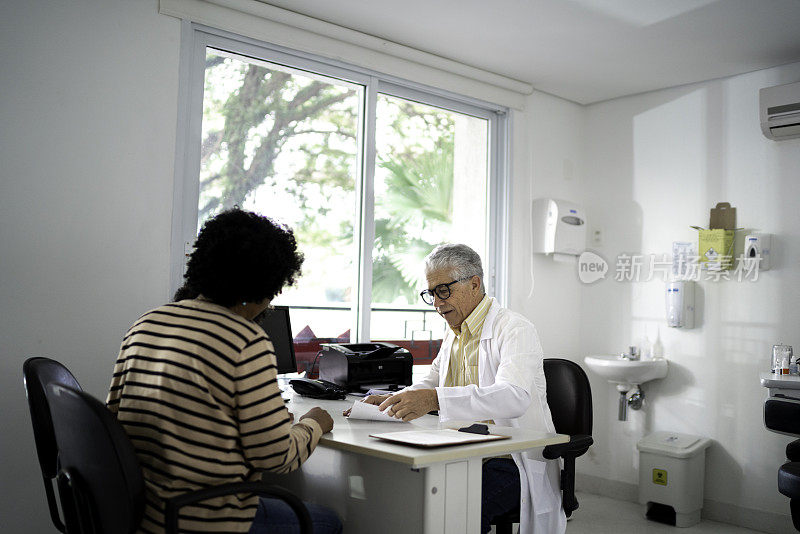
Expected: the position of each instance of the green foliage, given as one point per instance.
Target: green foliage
(421, 186)
(255, 115)
(263, 116)
(419, 199)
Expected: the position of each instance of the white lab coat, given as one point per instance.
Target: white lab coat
(511, 390)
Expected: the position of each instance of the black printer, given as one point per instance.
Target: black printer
(359, 366)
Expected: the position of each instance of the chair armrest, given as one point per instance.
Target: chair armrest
(576, 446)
(782, 415)
(793, 451)
(789, 479)
(176, 503)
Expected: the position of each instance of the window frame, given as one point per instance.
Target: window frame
(195, 38)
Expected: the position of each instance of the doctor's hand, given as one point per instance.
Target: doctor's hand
(376, 399)
(410, 404)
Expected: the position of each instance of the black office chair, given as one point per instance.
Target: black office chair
(789, 481)
(569, 397)
(37, 374)
(783, 415)
(100, 480)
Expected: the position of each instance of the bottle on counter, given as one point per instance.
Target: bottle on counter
(658, 349)
(647, 348)
(775, 366)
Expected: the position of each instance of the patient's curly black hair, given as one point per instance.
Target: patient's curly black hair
(240, 256)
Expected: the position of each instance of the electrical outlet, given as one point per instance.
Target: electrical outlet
(597, 236)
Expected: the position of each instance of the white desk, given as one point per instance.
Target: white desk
(376, 486)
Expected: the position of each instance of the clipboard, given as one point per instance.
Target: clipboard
(436, 438)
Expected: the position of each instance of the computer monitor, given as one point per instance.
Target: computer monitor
(275, 322)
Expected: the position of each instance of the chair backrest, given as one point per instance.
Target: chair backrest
(37, 374)
(95, 452)
(569, 396)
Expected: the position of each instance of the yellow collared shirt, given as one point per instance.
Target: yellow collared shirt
(463, 368)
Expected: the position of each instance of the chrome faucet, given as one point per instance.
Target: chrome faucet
(632, 355)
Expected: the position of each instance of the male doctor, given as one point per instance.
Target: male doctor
(489, 368)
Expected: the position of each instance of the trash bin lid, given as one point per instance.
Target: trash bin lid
(673, 444)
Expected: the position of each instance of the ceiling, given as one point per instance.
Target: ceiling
(585, 51)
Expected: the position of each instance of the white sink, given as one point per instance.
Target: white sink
(626, 373)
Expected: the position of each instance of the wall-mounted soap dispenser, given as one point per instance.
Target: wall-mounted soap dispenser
(559, 228)
(680, 304)
(757, 251)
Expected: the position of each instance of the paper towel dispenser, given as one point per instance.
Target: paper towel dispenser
(559, 227)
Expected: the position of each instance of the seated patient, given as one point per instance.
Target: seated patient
(195, 385)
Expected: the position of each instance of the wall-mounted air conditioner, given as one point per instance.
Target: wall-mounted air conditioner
(780, 111)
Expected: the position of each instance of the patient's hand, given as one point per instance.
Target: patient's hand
(322, 417)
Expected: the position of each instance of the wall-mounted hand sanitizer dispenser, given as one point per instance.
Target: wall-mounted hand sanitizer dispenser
(757, 251)
(559, 227)
(680, 304)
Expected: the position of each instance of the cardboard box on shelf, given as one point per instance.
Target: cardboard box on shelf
(715, 243)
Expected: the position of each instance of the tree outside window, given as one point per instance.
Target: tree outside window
(287, 143)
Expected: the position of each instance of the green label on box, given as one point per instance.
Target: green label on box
(715, 248)
(660, 477)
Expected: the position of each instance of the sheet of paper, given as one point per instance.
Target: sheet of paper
(370, 412)
(435, 438)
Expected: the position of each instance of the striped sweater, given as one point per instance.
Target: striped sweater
(195, 388)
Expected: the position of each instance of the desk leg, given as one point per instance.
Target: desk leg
(374, 495)
(453, 497)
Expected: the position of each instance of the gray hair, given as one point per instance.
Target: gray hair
(462, 261)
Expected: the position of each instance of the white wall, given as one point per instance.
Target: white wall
(88, 106)
(547, 161)
(655, 164)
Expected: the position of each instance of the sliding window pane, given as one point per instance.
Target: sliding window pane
(285, 143)
(431, 177)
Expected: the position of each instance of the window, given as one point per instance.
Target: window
(370, 174)
(431, 177)
(284, 142)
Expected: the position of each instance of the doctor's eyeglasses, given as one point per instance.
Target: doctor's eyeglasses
(442, 291)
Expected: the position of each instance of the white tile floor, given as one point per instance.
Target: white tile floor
(601, 515)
